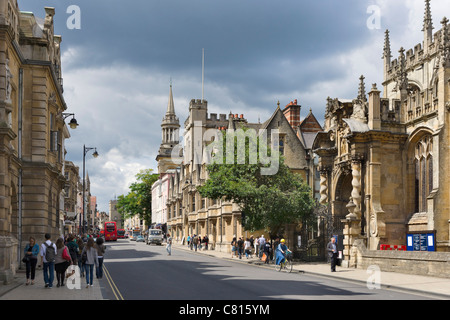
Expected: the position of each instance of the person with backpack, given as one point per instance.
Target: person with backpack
(48, 254)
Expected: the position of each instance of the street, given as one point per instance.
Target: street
(136, 271)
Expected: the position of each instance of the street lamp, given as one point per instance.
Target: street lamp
(95, 155)
(73, 122)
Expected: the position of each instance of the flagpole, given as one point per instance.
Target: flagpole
(203, 74)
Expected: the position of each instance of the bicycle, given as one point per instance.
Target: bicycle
(286, 265)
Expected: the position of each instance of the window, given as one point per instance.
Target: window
(281, 144)
(423, 180)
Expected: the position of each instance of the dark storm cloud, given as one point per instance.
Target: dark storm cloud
(117, 67)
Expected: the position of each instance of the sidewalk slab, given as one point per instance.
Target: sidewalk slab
(18, 290)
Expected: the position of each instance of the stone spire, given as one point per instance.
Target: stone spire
(427, 26)
(170, 104)
(402, 77)
(387, 47)
(444, 46)
(362, 89)
(387, 55)
(427, 20)
(170, 137)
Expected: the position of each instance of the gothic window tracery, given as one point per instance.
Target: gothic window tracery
(423, 164)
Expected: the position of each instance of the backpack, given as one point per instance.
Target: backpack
(50, 254)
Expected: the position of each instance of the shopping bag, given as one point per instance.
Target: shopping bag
(65, 255)
(264, 257)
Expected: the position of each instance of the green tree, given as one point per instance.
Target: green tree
(139, 200)
(266, 201)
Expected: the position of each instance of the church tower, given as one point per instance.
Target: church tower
(170, 127)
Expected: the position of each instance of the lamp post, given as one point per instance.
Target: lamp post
(95, 155)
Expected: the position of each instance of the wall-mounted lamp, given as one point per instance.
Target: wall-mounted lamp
(73, 122)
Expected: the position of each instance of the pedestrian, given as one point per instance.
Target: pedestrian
(195, 242)
(205, 241)
(240, 244)
(91, 261)
(188, 240)
(48, 253)
(101, 248)
(31, 253)
(62, 261)
(268, 252)
(247, 248)
(256, 247)
(332, 253)
(81, 245)
(262, 242)
(74, 252)
(233, 247)
(200, 242)
(169, 245)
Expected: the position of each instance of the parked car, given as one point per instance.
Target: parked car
(140, 239)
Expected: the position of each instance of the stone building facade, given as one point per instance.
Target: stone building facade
(32, 132)
(190, 214)
(385, 158)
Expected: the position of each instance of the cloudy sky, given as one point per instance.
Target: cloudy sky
(117, 67)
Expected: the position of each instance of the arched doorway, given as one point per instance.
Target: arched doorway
(342, 194)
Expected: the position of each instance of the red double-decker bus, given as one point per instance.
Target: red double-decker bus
(120, 233)
(110, 231)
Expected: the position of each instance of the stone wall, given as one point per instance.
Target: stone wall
(436, 264)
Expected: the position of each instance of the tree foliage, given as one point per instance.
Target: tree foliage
(267, 201)
(139, 200)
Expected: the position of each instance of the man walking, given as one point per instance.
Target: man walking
(169, 244)
(332, 253)
(262, 243)
(48, 254)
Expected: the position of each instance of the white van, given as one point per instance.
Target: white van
(155, 236)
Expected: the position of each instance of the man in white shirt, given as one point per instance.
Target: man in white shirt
(48, 266)
(262, 242)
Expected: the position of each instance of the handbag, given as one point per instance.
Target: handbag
(65, 255)
(25, 259)
(264, 257)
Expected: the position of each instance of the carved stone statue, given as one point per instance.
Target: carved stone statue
(8, 78)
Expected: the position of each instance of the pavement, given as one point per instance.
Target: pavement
(437, 288)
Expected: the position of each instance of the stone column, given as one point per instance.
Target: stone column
(323, 186)
(351, 233)
(356, 184)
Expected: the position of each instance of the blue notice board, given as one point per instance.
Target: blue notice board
(421, 241)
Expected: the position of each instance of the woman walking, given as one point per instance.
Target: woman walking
(62, 261)
(31, 257)
(80, 244)
(101, 248)
(91, 260)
